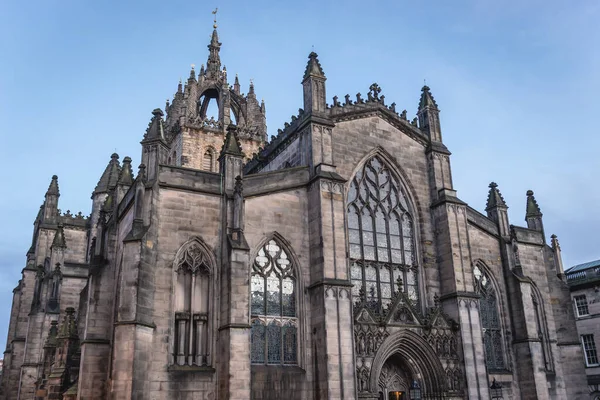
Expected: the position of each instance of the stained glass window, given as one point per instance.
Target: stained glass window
(191, 344)
(380, 236)
(490, 320)
(273, 307)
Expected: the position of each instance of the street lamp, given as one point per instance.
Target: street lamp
(496, 390)
(415, 391)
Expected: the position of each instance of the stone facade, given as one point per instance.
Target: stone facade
(333, 262)
(584, 283)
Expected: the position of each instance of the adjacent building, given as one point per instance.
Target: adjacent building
(333, 261)
(584, 282)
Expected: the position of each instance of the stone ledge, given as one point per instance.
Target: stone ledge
(191, 368)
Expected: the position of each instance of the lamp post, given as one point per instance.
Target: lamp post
(415, 391)
(496, 390)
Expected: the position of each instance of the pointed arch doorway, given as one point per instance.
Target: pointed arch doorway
(394, 379)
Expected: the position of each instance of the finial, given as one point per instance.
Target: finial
(193, 66)
(215, 19)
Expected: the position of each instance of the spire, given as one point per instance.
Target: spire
(558, 265)
(495, 199)
(213, 64)
(155, 128)
(533, 210)
(231, 144)
(251, 89)
(236, 85)
(497, 210)
(427, 99)
(109, 178)
(533, 214)
(313, 68)
(53, 188)
(429, 116)
(126, 176)
(314, 86)
(50, 205)
(192, 74)
(59, 238)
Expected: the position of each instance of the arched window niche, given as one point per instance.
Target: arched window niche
(275, 327)
(489, 312)
(192, 282)
(208, 160)
(381, 237)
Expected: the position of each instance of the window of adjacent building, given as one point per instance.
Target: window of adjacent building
(381, 237)
(273, 307)
(490, 319)
(589, 348)
(191, 307)
(581, 305)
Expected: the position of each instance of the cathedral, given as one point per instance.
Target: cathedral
(331, 261)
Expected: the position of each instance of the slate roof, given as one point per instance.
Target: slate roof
(583, 267)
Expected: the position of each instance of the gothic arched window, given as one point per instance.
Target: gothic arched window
(381, 237)
(273, 307)
(490, 319)
(192, 287)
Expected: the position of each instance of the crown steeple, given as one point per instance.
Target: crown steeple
(213, 64)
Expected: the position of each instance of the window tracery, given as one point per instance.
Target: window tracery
(381, 237)
(490, 319)
(274, 325)
(192, 271)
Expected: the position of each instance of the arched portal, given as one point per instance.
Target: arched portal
(394, 379)
(410, 358)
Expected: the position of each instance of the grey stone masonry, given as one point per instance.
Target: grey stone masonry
(333, 261)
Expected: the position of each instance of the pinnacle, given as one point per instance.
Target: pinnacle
(533, 209)
(109, 178)
(495, 199)
(155, 128)
(59, 238)
(53, 188)
(313, 67)
(427, 99)
(231, 144)
(126, 176)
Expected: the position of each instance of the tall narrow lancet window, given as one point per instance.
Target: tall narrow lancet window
(490, 319)
(207, 161)
(381, 237)
(273, 307)
(192, 278)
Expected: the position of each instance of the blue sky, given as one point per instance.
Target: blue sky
(517, 83)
